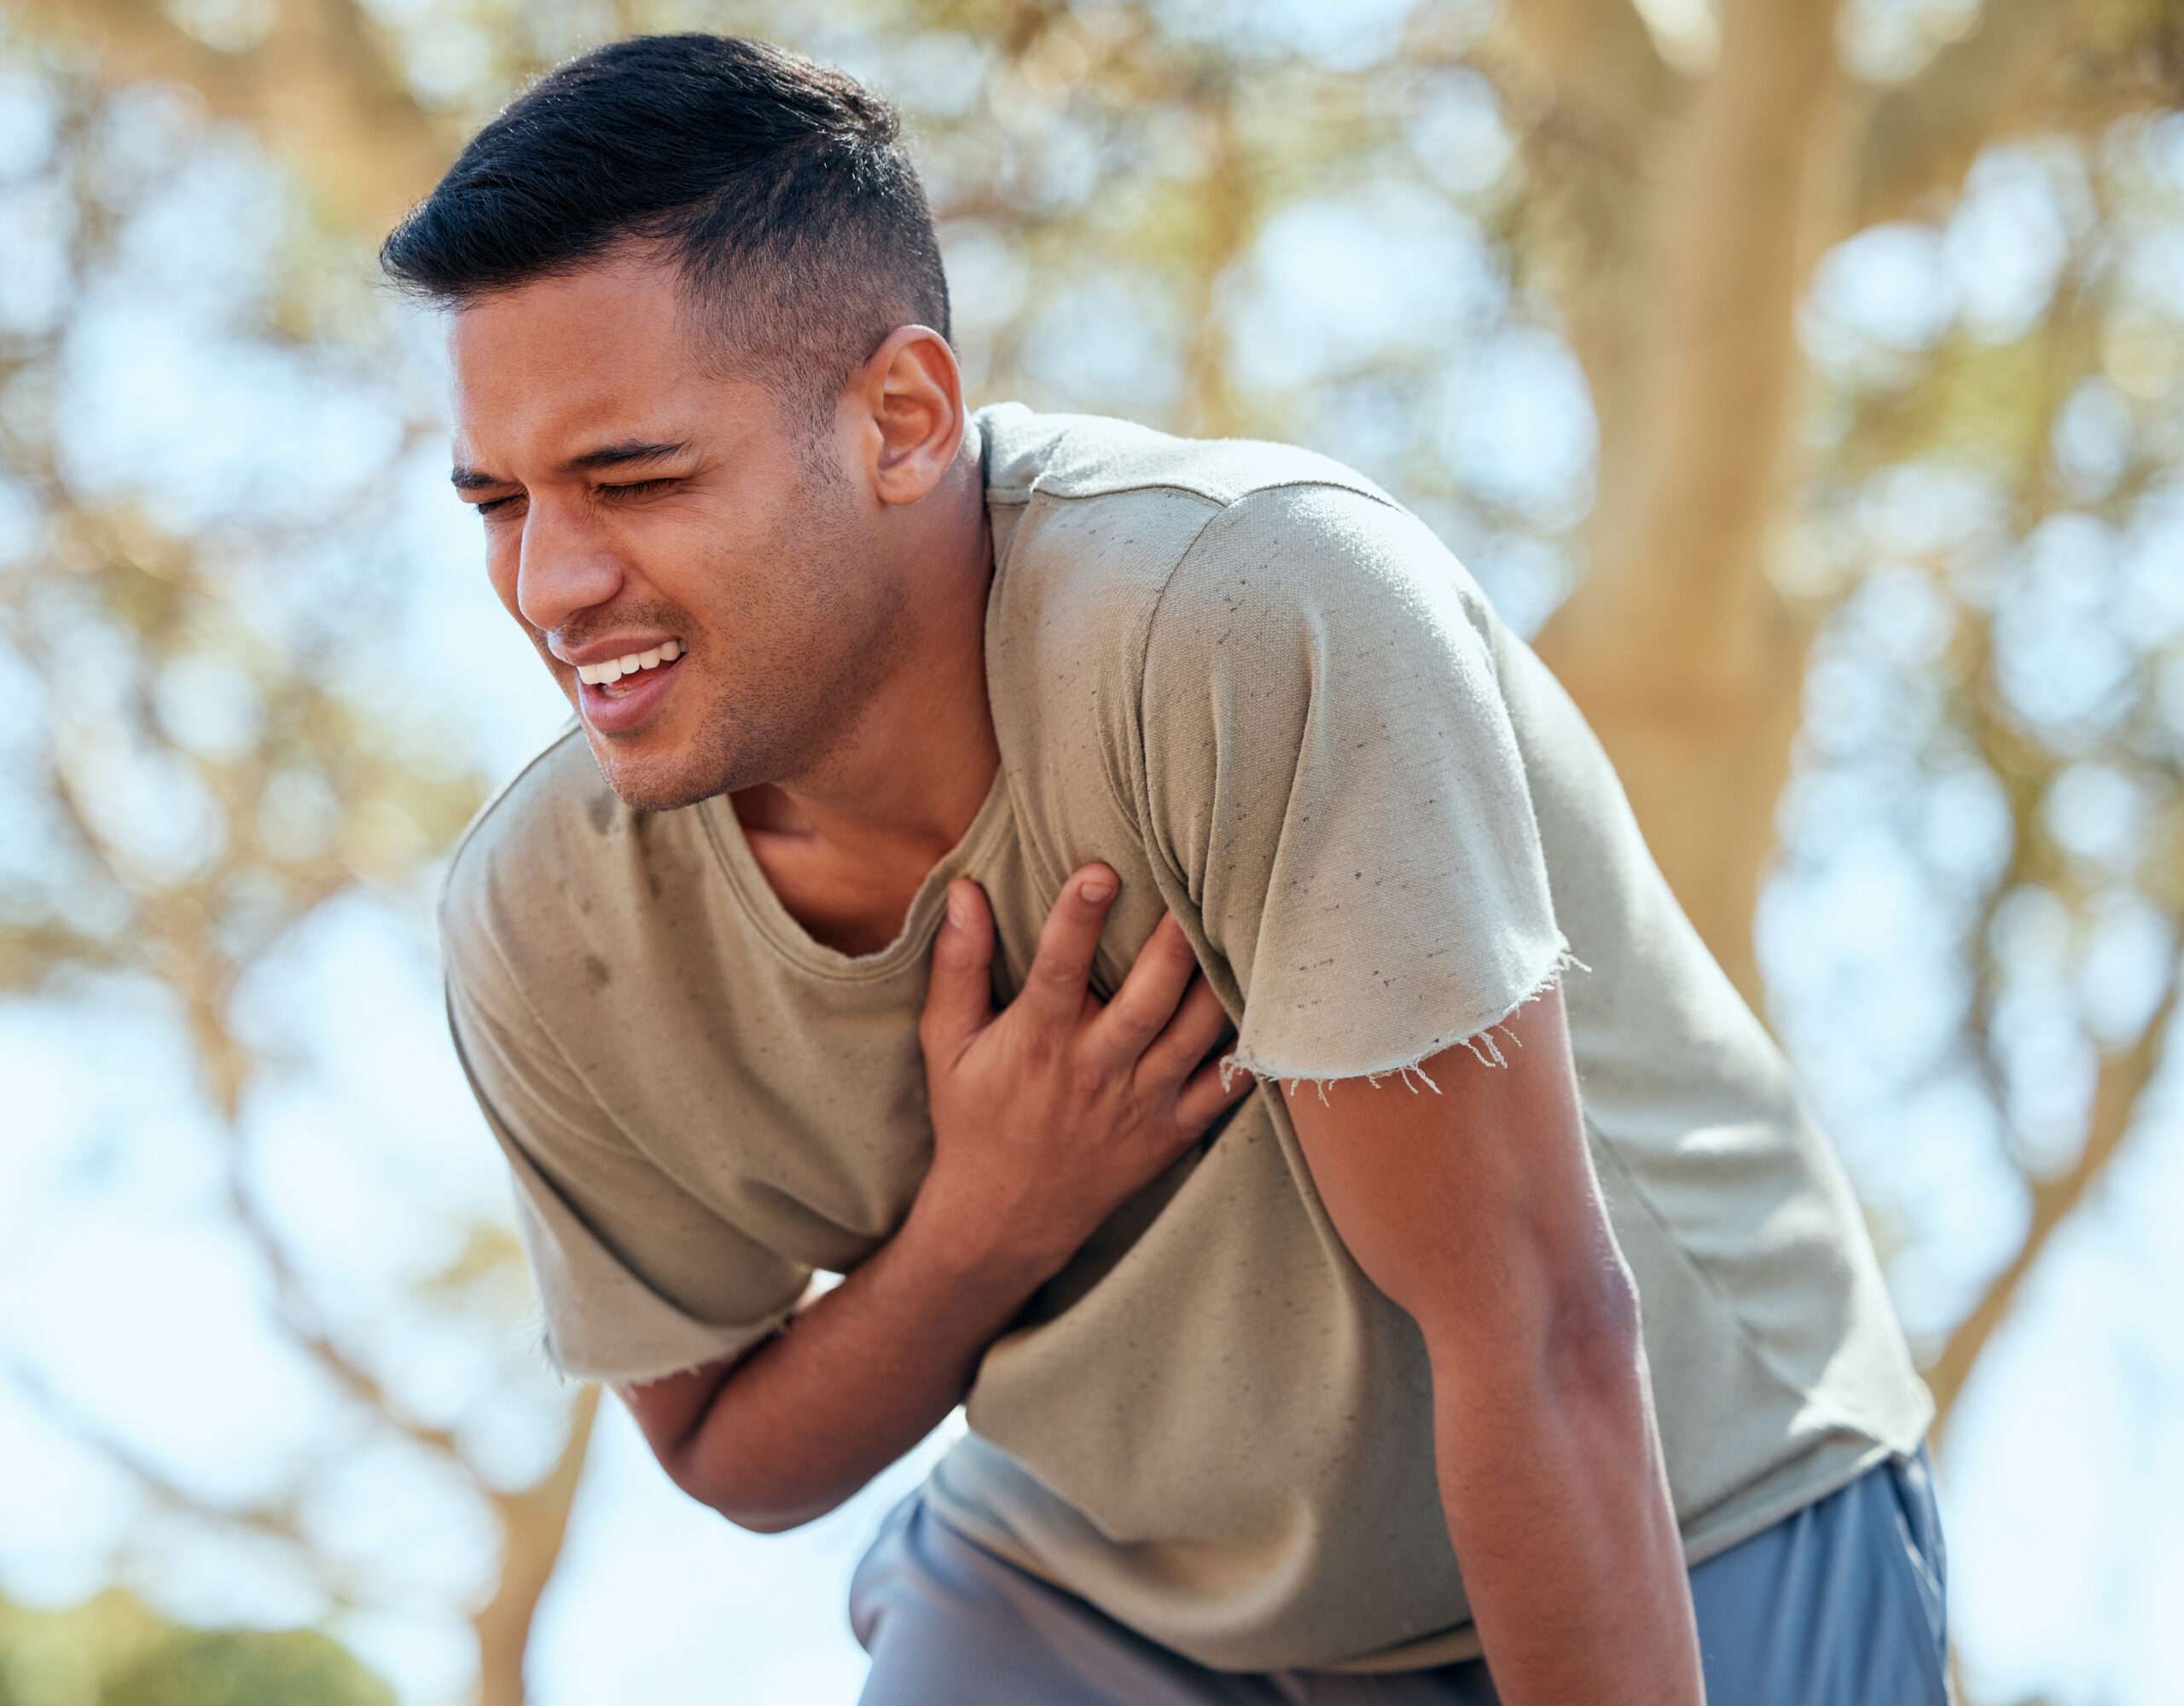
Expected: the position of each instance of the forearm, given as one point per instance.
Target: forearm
(1557, 1501)
(860, 1377)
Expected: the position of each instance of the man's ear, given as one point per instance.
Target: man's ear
(910, 394)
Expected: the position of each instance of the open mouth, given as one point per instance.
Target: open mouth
(621, 704)
(635, 683)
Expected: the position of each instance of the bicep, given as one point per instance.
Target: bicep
(1329, 763)
(1477, 1209)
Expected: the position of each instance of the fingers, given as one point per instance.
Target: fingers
(1197, 1024)
(1203, 1101)
(959, 991)
(1055, 987)
(1147, 998)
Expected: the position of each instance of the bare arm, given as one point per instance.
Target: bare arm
(863, 1373)
(1044, 1120)
(1478, 1210)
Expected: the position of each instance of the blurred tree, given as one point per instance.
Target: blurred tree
(190, 849)
(236, 1667)
(114, 1650)
(1805, 376)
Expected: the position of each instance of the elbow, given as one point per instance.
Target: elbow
(1557, 1342)
(744, 1491)
(759, 1516)
(725, 1502)
(764, 1522)
(1593, 1338)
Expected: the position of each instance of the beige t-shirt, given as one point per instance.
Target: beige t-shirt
(1262, 690)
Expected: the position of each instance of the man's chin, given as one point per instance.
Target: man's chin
(650, 786)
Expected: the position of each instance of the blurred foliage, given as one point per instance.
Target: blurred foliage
(225, 1668)
(114, 1650)
(1806, 379)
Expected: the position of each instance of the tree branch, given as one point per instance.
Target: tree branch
(1595, 54)
(534, 1521)
(2121, 1079)
(318, 88)
(1688, 334)
(2023, 67)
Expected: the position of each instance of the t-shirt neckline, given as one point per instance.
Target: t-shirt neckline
(774, 922)
(764, 908)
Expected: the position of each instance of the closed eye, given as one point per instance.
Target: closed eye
(626, 489)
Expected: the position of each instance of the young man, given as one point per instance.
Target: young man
(1555, 1368)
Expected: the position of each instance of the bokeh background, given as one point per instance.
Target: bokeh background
(1806, 381)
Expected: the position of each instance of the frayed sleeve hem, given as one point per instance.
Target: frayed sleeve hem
(1406, 1067)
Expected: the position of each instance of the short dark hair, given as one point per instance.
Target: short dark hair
(779, 186)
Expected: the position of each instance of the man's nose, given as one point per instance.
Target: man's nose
(563, 566)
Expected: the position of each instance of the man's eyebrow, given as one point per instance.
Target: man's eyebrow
(621, 454)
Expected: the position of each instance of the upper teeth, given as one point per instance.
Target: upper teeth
(615, 668)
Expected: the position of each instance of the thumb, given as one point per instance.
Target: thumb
(959, 993)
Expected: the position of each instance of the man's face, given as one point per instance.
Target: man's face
(629, 500)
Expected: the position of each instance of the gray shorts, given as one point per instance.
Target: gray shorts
(1840, 1604)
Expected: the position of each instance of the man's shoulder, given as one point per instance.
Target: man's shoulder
(523, 839)
(1318, 551)
(1075, 457)
(1110, 512)
(1122, 534)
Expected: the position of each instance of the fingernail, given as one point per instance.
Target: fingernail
(955, 907)
(1096, 888)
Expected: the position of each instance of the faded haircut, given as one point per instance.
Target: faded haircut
(778, 187)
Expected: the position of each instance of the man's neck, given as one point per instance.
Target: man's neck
(912, 773)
